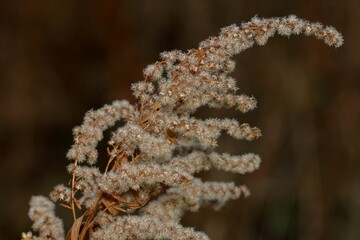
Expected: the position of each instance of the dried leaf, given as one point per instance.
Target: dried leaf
(119, 198)
(109, 204)
(78, 205)
(171, 136)
(117, 207)
(74, 231)
(88, 212)
(150, 114)
(65, 206)
(147, 117)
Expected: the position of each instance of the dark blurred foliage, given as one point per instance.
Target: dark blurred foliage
(59, 59)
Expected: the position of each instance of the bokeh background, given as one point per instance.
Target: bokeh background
(59, 59)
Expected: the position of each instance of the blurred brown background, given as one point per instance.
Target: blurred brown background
(58, 59)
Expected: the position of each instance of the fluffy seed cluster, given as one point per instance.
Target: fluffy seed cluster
(45, 222)
(148, 183)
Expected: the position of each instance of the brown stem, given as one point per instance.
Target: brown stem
(73, 193)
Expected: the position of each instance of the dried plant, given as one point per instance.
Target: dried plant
(149, 180)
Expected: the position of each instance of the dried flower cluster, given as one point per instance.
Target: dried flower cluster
(149, 182)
